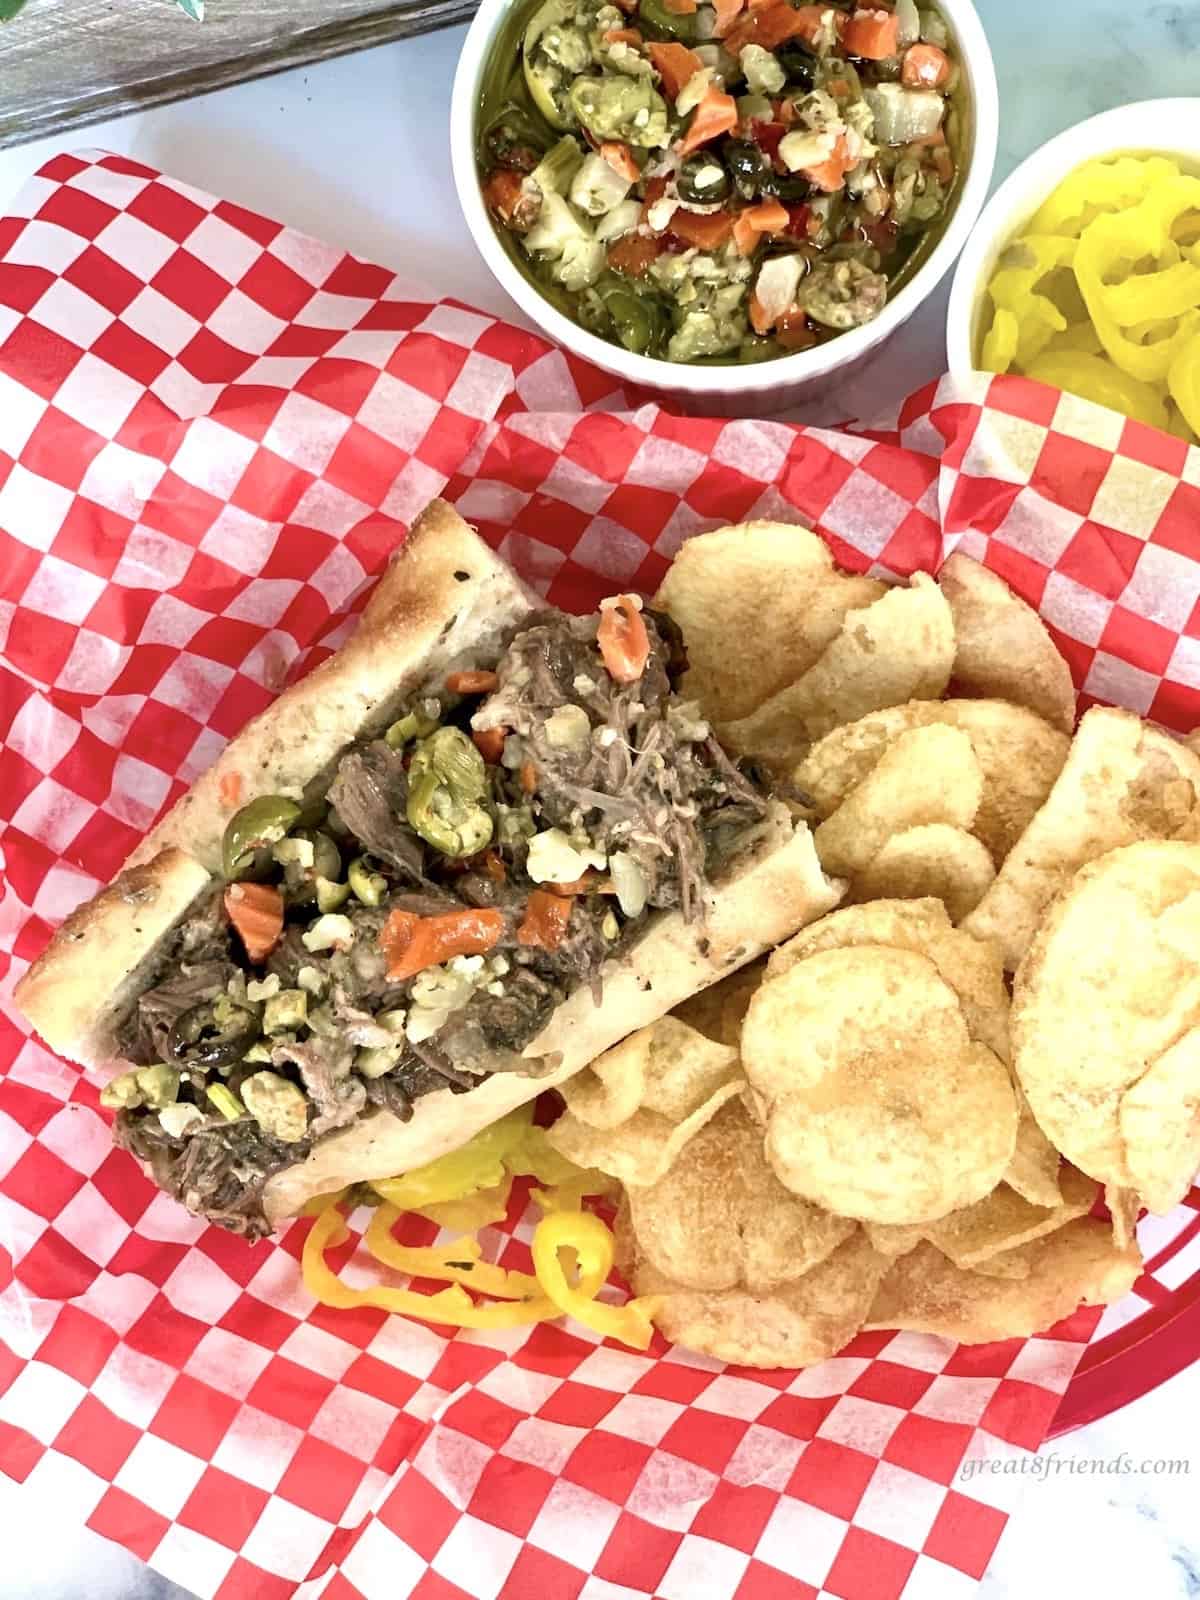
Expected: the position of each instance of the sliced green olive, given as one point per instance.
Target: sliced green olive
(659, 23)
(545, 78)
(263, 821)
(447, 783)
(639, 319)
(200, 1037)
(512, 139)
(453, 826)
(370, 887)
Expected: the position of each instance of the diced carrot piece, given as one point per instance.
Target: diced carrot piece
(529, 777)
(622, 638)
(622, 36)
(503, 194)
(256, 911)
(745, 235)
(773, 25)
(675, 64)
(544, 925)
(728, 12)
(829, 174)
(230, 789)
(874, 35)
(925, 67)
(472, 682)
(705, 232)
(716, 114)
(769, 216)
(680, 8)
(620, 158)
(490, 743)
(633, 254)
(412, 943)
(785, 113)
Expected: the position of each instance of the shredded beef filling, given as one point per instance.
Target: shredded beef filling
(625, 771)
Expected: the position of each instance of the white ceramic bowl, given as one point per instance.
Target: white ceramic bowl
(762, 386)
(1161, 127)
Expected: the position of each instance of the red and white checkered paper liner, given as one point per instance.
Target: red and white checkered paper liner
(213, 431)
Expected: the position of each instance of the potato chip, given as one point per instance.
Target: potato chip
(898, 649)
(1002, 649)
(934, 860)
(893, 1239)
(971, 968)
(1160, 1125)
(1019, 754)
(1002, 1221)
(766, 581)
(878, 1103)
(1108, 995)
(720, 1218)
(1124, 1208)
(924, 1292)
(1033, 1170)
(1123, 781)
(717, 1011)
(668, 1067)
(927, 775)
(1004, 1264)
(641, 1150)
(796, 1325)
(607, 1093)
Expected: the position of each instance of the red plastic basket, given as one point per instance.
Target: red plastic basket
(1151, 1335)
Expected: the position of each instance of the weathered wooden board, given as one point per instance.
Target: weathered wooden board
(64, 63)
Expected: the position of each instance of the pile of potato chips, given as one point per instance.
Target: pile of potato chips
(906, 1116)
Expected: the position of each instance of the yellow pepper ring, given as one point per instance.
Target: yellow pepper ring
(453, 1306)
(592, 1242)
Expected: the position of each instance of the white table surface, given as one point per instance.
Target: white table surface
(354, 151)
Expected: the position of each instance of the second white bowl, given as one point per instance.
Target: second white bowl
(1148, 127)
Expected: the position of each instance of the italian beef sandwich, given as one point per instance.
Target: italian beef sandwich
(472, 850)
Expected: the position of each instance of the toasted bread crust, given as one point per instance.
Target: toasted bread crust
(445, 601)
(96, 964)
